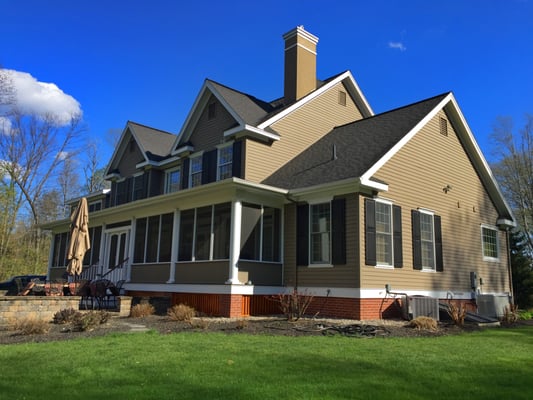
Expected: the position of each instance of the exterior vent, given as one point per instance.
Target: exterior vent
(421, 306)
(490, 305)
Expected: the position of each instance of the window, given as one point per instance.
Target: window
(196, 171)
(489, 241)
(260, 233)
(205, 233)
(225, 160)
(320, 233)
(320, 223)
(93, 254)
(427, 241)
(139, 187)
(172, 180)
(153, 239)
(95, 206)
(59, 258)
(383, 234)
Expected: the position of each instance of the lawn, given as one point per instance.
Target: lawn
(491, 364)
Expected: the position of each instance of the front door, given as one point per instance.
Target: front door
(116, 254)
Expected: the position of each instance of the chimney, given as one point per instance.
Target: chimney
(300, 64)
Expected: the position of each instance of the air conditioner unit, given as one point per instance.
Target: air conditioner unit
(491, 305)
(421, 306)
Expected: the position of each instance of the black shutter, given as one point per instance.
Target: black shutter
(370, 232)
(156, 183)
(338, 231)
(439, 262)
(417, 246)
(236, 164)
(113, 196)
(397, 236)
(209, 166)
(129, 189)
(185, 173)
(302, 235)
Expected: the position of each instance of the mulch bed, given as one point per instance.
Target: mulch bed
(252, 325)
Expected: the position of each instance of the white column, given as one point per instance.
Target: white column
(175, 243)
(235, 242)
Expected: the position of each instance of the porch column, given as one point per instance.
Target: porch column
(175, 243)
(131, 249)
(235, 242)
(103, 255)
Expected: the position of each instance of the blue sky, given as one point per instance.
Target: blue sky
(146, 61)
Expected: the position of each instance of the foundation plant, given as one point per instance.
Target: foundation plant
(293, 305)
(142, 310)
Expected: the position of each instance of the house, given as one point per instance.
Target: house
(313, 190)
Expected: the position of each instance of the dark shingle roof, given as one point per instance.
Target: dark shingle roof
(156, 143)
(348, 151)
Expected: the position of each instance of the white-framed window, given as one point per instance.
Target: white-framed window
(427, 240)
(195, 174)
(225, 162)
(489, 243)
(320, 233)
(172, 180)
(384, 247)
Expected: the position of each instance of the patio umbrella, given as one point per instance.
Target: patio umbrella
(79, 238)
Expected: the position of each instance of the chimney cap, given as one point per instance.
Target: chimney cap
(299, 30)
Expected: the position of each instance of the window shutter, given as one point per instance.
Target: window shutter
(209, 166)
(113, 196)
(237, 160)
(439, 262)
(302, 235)
(370, 232)
(129, 189)
(156, 183)
(397, 236)
(185, 173)
(417, 247)
(338, 231)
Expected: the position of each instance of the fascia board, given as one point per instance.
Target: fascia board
(316, 93)
(383, 160)
(331, 188)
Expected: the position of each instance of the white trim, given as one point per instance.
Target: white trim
(300, 31)
(495, 230)
(168, 172)
(255, 132)
(301, 46)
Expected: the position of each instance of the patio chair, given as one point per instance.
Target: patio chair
(99, 292)
(114, 291)
(83, 289)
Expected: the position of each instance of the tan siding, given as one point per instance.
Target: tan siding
(416, 176)
(298, 131)
(209, 133)
(340, 276)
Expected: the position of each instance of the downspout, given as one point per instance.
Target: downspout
(388, 291)
(509, 268)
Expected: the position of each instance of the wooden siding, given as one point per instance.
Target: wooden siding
(416, 176)
(128, 161)
(207, 273)
(208, 133)
(150, 273)
(298, 131)
(258, 273)
(339, 276)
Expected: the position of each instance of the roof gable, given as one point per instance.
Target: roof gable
(154, 145)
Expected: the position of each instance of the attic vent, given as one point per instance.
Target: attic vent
(342, 98)
(212, 111)
(443, 127)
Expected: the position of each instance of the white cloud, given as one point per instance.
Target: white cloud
(41, 98)
(397, 45)
(5, 126)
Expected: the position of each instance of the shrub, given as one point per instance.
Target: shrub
(65, 316)
(423, 323)
(525, 315)
(142, 310)
(30, 326)
(200, 323)
(181, 312)
(510, 314)
(294, 305)
(457, 312)
(88, 321)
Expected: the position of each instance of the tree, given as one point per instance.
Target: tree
(522, 268)
(514, 171)
(94, 176)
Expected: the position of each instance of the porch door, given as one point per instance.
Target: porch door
(116, 253)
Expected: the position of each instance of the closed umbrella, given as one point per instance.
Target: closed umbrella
(79, 238)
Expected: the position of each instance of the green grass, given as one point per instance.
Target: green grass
(492, 364)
